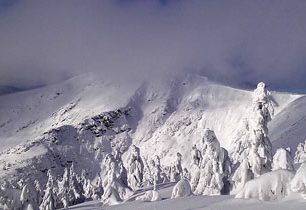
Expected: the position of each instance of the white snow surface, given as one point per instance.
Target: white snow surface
(298, 183)
(294, 201)
(269, 186)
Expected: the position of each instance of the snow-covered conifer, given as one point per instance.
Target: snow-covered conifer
(300, 154)
(210, 178)
(27, 197)
(76, 192)
(39, 192)
(123, 174)
(282, 160)
(64, 189)
(255, 128)
(177, 169)
(196, 156)
(298, 183)
(114, 190)
(48, 202)
(135, 168)
(252, 141)
(111, 195)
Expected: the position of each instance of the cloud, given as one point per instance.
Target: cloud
(233, 42)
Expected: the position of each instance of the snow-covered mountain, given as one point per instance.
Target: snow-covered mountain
(168, 112)
(84, 117)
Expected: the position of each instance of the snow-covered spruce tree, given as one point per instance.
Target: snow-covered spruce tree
(39, 191)
(195, 167)
(298, 183)
(76, 192)
(214, 168)
(135, 168)
(94, 191)
(300, 154)
(196, 155)
(64, 189)
(88, 188)
(114, 190)
(123, 175)
(176, 172)
(27, 197)
(282, 160)
(48, 202)
(252, 141)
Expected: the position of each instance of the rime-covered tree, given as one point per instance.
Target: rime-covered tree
(196, 155)
(27, 197)
(123, 174)
(254, 129)
(48, 202)
(252, 141)
(135, 168)
(64, 189)
(177, 169)
(298, 183)
(39, 191)
(282, 160)
(300, 154)
(76, 192)
(114, 190)
(212, 171)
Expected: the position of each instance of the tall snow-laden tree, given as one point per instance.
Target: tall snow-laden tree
(135, 168)
(212, 171)
(300, 154)
(196, 156)
(298, 183)
(76, 192)
(252, 141)
(177, 169)
(123, 174)
(27, 197)
(64, 189)
(282, 160)
(48, 202)
(114, 190)
(39, 191)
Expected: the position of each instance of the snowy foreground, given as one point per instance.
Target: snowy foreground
(295, 201)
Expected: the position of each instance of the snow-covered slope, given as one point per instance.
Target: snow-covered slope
(288, 127)
(166, 116)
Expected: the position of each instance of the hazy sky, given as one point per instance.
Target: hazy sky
(238, 42)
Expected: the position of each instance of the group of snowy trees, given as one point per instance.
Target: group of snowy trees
(68, 190)
(214, 171)
(58, 192)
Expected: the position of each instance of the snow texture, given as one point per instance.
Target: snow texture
(269, 186)
(298, 183)
(181, 189)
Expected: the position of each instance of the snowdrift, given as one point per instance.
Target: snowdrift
(270, 186)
